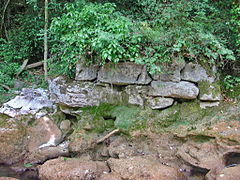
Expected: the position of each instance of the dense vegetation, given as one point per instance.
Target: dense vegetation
(151, 32)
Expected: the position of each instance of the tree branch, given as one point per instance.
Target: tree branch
(107, 136)
(3, 14)
(22, 67)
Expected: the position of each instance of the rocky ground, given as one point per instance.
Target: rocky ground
(107, 142)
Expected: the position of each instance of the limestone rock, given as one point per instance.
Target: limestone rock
(183, 90)
(170, 72)
(72, 169)
(136, 94)
(86, 73)
(41, 155)
(12, 141)
(110, 176)
(205, 105)
(124, 74)
(209, 91)
(159, 102)
(83, 144)
(201, 155)
(44, 133)
(81, 94)
(231, 173)
(30, 101)
(142, 168)
(195, 73)
(65, 125)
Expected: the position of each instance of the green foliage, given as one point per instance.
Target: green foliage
(95, 31)
(236, 24)
(27, 165)
(155, 32)
(231, 81)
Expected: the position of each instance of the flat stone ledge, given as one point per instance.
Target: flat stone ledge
(183, 89)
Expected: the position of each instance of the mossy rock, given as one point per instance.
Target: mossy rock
(3, 120)
(126, 117)
(209, 91)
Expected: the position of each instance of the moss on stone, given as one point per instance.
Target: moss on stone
(205, 87)
(127, 117)
(3, 119)
(201, 138)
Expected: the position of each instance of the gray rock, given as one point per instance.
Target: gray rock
(209, 91)
(81, 94)
(86, 73)
(170, 72)
(159, 102)
(124, 74)
(30, 101)
(136, 94)
(205, 105)
(183, 90)
(65, 125)
(195, 73)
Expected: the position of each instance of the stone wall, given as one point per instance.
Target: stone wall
(129, 83)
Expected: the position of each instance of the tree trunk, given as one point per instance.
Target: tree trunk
(45, 41)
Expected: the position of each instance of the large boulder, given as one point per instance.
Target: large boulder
(204, 156)
(44, 133)
(39, 156)
(170, 72)
(183, 89)
(86, 73)
(29, 101)
(142, 168)
(13, 139)
(124, 74)
(81, 94)
(72, 169)
(195, 73)
(44, 141)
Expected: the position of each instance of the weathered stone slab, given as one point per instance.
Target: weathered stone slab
(183, 89)
(86, 73)
(52, 134)
(30, 101)
(124, 74)
(73, 169)
(159, 102)
(205, 105)
(195, 73)
(170, 72)
(209, 91)
(136, 94)
(81, 94)
(143, 168)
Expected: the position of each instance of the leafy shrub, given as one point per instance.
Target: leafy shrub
(95, 31)
(164, 32)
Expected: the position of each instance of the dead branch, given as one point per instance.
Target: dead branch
(22, 67)
(107, 136)
(34, 65)
(5, 87)
(3, 14)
